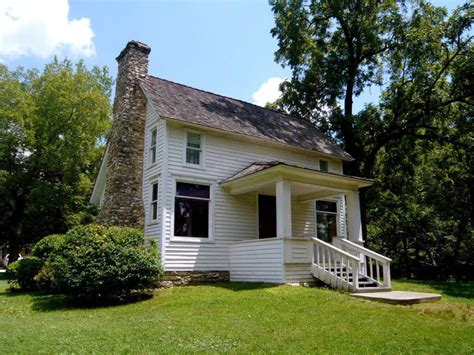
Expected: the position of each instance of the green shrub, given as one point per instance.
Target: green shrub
(102, 264)
(46, 246)
(44, 279)
(21, 273)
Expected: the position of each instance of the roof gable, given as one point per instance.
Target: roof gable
(181, 102)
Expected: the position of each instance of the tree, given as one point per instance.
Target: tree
(421, 208)
(336, 49)
(422, 60)
(52, 125)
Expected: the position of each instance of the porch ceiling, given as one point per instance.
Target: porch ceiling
(306, 184)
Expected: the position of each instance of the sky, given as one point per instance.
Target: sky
(220, 46)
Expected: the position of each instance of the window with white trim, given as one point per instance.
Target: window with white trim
(194, 148)
(153, 141)
(154, 202)
(323, 165)
(326, 220)
(191, 210)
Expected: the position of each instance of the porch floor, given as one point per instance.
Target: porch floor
(399, 297)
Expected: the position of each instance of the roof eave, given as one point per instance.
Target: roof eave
(291, 172)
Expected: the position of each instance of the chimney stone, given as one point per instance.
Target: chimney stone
(123, 203)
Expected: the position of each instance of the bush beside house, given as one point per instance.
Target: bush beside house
(93, 264)
(21, 273)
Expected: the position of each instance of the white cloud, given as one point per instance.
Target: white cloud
(42, 28)
(269, 91)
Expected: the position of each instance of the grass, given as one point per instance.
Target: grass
(242, 318)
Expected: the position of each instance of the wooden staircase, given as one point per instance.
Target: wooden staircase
(350, 267)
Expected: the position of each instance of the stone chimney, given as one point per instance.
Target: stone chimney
(123, 204)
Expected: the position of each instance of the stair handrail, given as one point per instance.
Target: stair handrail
(365, 251)
(337, 250)
(372, 255)
(351, 259)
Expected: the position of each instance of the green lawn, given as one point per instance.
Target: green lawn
(242, 318)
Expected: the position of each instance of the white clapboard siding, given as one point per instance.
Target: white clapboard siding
(234, 217)
(259, 260)
(342, 216)
(298, 273)
(153, 173)
(303, 218)
(335, 167)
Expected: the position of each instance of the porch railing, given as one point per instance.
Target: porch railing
(373, 265)
(334, 266)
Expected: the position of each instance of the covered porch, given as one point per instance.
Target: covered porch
(291, 253)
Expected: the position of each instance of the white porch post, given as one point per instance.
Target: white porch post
(354, 224)
(283, 209)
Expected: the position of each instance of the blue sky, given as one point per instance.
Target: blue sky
(220, 46)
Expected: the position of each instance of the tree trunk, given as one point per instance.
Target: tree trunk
(13, 247)
(14, 240)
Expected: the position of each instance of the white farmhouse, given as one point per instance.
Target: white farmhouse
(231, 190)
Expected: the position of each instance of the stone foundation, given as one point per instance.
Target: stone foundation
(182, 278)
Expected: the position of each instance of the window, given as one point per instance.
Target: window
(323, 165)
(326, 220)
(191, 210)
(153, 138)
(154, 202)
(194, 148)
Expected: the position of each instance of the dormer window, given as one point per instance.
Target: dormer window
(194, 148)
(153, 139)
(323, 165)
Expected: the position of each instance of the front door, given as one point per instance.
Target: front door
(266, 216)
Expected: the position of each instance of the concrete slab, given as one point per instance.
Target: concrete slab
(399, 297)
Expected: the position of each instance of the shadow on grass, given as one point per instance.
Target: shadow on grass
(3, 276)
(44, 302)
(41, 301)
(453, 289)
(243, 286)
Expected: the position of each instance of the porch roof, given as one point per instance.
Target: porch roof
(259, 175)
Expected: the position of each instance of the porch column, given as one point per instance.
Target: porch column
(283, 209)
(354, 224)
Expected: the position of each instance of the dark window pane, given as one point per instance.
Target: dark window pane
(192, 190)
(154, 195)
(326, 206)
(326, 226)
(323, 165)
(154, 210)
(193, 156)
(153, 154)
(191, 218)
(153, 137)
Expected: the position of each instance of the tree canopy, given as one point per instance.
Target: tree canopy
(52, 126)
(416, 138)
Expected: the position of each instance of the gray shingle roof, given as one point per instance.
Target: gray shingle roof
(181, 102)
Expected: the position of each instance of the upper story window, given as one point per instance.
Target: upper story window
(153, 140)
(154, 202)
(194, 148)
(323, 165)
(191, 210)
